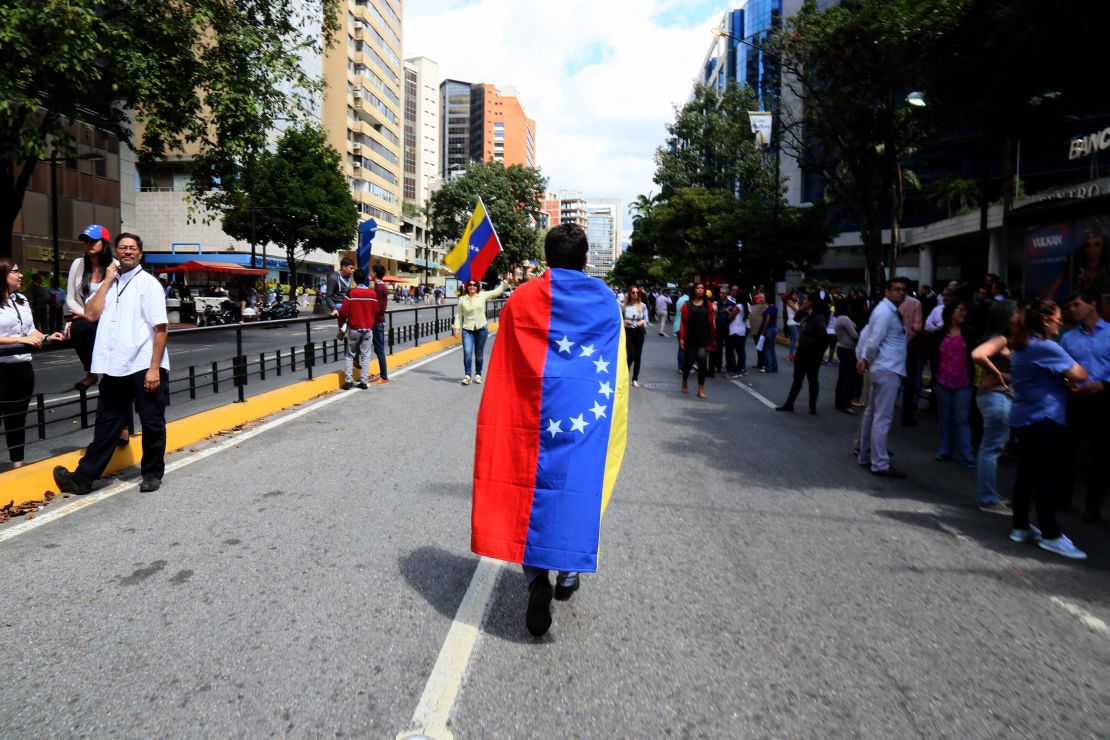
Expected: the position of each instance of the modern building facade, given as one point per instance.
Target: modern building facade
(421, 130)
(483, 123)
(603, 232)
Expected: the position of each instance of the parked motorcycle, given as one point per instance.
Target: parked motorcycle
(278, 311)
(213, 316)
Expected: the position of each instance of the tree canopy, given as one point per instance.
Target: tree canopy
(300, 198)
(212, 74)
(513, 197)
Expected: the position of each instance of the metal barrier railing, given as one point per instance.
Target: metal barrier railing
(236, 372)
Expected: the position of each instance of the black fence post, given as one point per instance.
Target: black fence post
(215, 378)
(416, 326)
(84, 407)
(277, 357)
(261, 365)
(192, 383)
(240, 365)
(293, 359)
(309, 349)
(40, 409)
(390, 336)
(437, 321)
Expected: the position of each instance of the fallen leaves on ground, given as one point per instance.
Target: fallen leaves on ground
(27, 508)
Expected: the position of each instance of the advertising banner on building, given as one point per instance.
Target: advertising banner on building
(761, 127)
(1068, 256)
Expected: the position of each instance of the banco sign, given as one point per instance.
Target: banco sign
(1085, 146)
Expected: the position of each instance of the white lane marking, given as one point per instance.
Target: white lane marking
(231, 441)
(759, 396)
(1088, 619)
(431, 715)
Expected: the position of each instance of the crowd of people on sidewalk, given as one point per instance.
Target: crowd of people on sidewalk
(1001, 374)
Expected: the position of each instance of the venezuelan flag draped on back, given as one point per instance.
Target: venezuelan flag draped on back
(552, 425)
(478, 247)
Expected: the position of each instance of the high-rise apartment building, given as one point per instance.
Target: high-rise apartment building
(603, 233)
(362, 110)
(421, 130)
(483, 123)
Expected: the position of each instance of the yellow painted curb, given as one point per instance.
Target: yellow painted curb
(32, 481)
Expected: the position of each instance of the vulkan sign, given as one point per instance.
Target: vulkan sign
(1085, 146)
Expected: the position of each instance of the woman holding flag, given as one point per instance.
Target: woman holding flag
(471, 323)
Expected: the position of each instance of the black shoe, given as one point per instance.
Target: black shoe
(68, 482)
(346, 386)
(362, 385)
(891, 472)
(563, 593)
(150, 484)
(538, 617)
(784, 407)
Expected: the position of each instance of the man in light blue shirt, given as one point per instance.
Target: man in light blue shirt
(883, 357)
(1089, 404)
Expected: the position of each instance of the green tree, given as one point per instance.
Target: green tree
(213, 74)
(847, 71)
(513, 197)
(642, 206)
(300, 198)
(710, 145)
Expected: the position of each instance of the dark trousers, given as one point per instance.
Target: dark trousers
(379, 350)
(113, 411)
(635, 340)
(845, 378)
(17, 383)
(696, 357)
(719, 351)
(82, 334)
(1087, 422)
(1042, 447)
(807, 365)
(909, 384)
(735, 358)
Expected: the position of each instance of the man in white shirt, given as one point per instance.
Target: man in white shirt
(130, 355)
(884, 357)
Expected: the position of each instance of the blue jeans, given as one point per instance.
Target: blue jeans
(793, 329)
(953, 406)
(474, 341)
(770, 359)
(995, 408)
(379, 350)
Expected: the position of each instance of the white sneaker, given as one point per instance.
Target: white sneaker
(478, 379)
(635, 384)
(1025, 535)
(1063, 546)
(466, 380)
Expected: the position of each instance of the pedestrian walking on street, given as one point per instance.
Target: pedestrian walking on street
(791, 305)
(662, 306)
(953, 387)
(847, 337)
(635, 330)
(812, 319)
(381, 290)
(17, 376)
(697, 332)
(995, 399)
(682, 301)
(545, 462)
(359, 313)
(884, 359)
(1042, 372)
(770, 331)
(735, 352)
(723, 317)
(471, 324)
(130, 353)
(755, 323)
(910, 311)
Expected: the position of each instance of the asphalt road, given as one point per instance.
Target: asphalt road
(754, 582)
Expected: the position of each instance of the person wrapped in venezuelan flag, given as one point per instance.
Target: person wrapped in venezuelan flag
(552, 426)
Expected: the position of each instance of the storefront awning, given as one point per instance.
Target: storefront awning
(216, 268)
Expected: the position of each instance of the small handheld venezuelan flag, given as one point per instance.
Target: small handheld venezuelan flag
(552, 424)
(477, 249)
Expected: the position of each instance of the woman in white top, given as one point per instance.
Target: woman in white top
(17, 378)
(635, 329)
(85, 276)
(791, 306)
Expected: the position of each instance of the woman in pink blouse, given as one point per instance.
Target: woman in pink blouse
(952, 387)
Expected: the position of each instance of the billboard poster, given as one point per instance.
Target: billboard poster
(1069, 256)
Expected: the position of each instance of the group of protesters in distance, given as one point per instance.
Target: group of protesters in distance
(1031, 379)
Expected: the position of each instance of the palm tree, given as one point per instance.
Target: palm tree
(643, 205)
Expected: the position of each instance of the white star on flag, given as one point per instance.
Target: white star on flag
(605, 390)
(578, 424)
(587, 350)
(565, 344)
(601, 365)
(598, 409)
(554, 426)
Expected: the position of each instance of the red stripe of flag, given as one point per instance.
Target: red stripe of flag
(485, 257)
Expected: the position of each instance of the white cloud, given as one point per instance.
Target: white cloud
(600, 77)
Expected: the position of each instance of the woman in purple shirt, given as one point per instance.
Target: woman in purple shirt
(953, 386)
(1041, 373)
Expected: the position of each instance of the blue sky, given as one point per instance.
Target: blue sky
(600, 77)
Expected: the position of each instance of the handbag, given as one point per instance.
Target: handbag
(759, 342)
